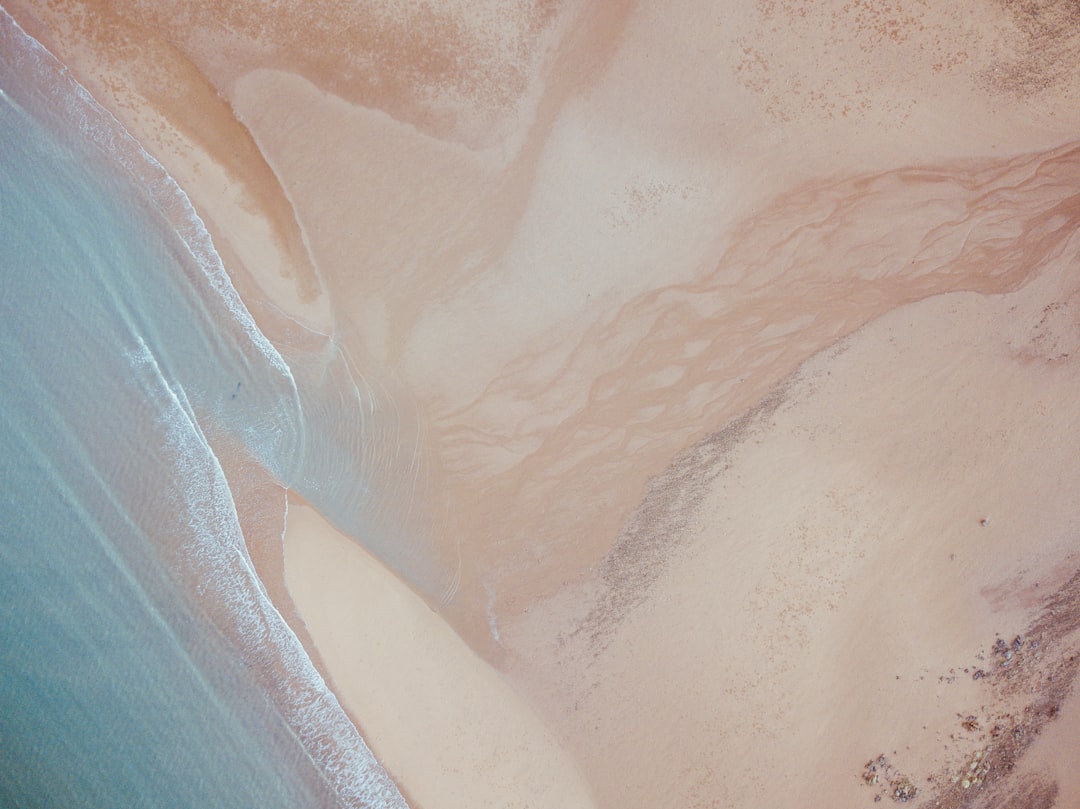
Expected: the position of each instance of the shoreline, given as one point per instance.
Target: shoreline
(404, 674)
(233, 601)
(597, 323)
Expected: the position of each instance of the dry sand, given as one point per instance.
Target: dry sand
(720, 332)
(443, 722)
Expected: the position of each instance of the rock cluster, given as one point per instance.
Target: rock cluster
(878, 771)
(1024, 682)
(903, 790)
(976, 771)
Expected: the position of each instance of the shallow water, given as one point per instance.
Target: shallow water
(141, 663)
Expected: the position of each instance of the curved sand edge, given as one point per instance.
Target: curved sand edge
(744, 102)
(445, 724)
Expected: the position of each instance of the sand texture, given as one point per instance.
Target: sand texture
(726, 360)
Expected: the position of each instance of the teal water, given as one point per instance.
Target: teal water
(122, 346)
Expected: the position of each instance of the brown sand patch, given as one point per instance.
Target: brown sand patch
(455, 69)
(1030, 793)
(1040, 49)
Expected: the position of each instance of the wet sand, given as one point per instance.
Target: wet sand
(719, 338)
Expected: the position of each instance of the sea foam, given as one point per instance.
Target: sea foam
(216, 555)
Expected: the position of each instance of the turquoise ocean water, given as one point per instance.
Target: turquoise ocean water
(122, 347)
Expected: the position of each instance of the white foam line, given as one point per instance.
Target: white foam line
(218, 554)
(314, 714)
(103, 129)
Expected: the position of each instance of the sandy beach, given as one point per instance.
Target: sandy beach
(726, 365)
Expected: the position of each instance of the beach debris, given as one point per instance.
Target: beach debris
(875, 768)
(985, 521)
(976, 771)
(903, 789)
(1006, 652)
(1026, 678)
(878, 772)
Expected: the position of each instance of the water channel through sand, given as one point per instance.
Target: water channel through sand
(591, 271)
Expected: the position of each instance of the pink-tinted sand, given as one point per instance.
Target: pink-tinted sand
(740, 349)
